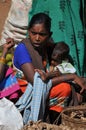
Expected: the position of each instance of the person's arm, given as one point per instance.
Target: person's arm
(5, 48)
(70, 77)
(49, 75)
(22, 61)
(28, 71)
(56, 79)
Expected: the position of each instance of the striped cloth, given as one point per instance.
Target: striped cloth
(33, 101)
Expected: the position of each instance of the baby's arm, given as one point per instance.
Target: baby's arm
(49, 75)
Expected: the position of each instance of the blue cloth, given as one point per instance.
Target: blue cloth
(33, 101)
(21, 55)
(9, 85)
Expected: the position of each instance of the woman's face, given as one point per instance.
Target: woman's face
(38, 35)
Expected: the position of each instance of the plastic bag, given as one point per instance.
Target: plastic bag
(10, 117)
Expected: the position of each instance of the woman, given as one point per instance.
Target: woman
(31, 54)
(67, 25)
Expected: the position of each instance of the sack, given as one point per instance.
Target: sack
(10, 117)
(17, 21)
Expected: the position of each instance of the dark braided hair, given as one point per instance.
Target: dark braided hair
(41, 18)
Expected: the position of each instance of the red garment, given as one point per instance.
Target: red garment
(23, 84)
(60, 93)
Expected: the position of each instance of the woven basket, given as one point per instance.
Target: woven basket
(73, 122)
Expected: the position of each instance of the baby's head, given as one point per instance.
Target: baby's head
(60, 53)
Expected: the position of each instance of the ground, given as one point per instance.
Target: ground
(4, 9)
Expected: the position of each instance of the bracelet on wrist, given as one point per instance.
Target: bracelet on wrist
(2, 60)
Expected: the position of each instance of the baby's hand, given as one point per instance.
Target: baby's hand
(42, 74)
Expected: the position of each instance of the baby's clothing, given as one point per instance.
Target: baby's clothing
(65, 67)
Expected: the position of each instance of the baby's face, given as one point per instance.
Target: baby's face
(55, 60)
(54, 63)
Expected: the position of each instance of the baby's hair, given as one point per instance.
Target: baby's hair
(62, 50)
(40, 18)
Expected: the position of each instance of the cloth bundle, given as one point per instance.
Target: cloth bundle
(17, 21)
(33, 101)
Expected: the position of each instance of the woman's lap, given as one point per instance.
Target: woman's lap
(59, 96)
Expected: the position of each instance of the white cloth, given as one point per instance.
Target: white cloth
(17, 21)
(10, 117)
(66, 67)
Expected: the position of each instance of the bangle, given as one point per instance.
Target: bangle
(2, 60)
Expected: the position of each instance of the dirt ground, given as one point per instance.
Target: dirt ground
(4, 9)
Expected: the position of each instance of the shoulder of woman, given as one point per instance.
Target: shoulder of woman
(21, 50)
(20, 46)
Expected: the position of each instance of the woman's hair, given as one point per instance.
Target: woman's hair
(40, 18)
(62, 50)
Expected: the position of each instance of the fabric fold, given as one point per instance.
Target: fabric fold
(33, 101)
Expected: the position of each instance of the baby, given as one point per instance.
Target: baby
(60, 59)
(60, 62)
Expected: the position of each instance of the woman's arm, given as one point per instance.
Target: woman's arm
(22, 61)
(28, 71)
(70, 77)
(56, 79)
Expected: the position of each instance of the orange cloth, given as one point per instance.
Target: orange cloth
(61, 92)
(23, 84)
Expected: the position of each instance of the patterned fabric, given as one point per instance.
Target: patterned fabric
(65, 68)
(20, 78)
(59, 96)
(62, 101)
(9, 86)
(66, 26)
(33, 101)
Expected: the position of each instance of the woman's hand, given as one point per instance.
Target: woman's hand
(81, 82)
